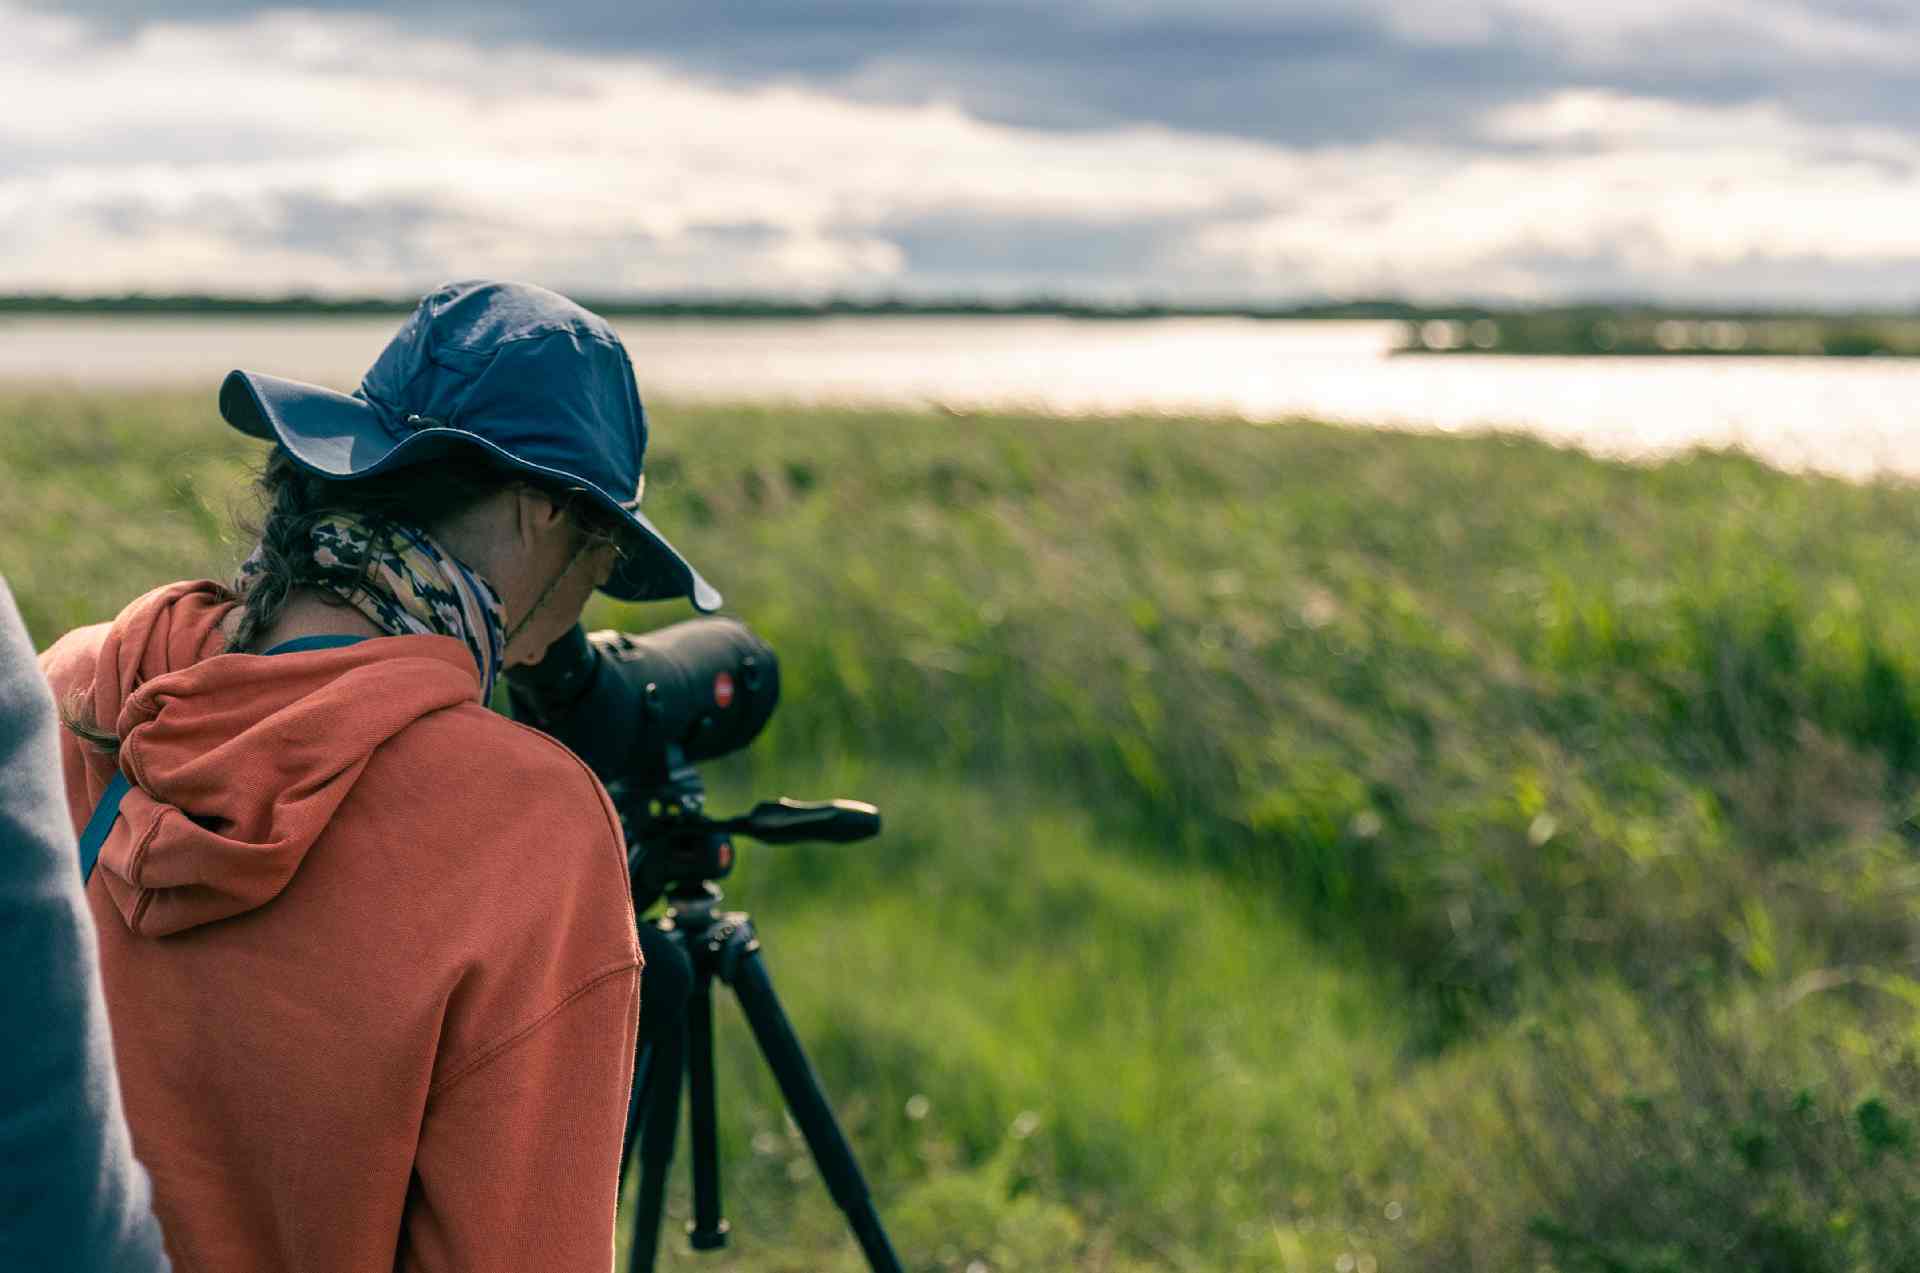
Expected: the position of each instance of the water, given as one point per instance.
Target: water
(1852, 417)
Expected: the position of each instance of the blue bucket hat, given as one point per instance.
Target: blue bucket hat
(539, 384)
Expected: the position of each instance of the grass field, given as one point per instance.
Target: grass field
(1307, 848)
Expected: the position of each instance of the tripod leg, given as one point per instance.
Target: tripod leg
(801, 1087)
(708, 1231)
(658, 1073)
(636, 1108)
(661, 1124)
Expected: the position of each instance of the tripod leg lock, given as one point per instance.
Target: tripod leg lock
(731, 940)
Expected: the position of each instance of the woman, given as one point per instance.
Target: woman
(367, 946)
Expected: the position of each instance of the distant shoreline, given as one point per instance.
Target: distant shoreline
(1568, 330)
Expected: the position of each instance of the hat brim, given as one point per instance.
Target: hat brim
(336, 435)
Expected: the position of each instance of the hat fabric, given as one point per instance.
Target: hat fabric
(540, 384)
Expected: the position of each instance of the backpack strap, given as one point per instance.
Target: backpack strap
(100, 825)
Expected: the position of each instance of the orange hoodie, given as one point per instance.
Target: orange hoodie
(368, 952)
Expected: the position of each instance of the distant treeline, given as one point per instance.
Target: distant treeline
(1617, 329)
(1652, 332)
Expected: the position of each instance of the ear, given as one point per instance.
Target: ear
(535, 516)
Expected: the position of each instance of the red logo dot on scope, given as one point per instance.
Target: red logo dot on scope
(723, 690)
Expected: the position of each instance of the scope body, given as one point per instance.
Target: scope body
(627, 704)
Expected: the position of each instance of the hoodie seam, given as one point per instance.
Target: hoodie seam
(135, 860)
(500, 1048)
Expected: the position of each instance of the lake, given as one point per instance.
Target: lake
(1853, 417)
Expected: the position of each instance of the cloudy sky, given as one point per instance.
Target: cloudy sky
(1720, 150)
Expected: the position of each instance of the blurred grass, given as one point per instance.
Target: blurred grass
(1255, 794)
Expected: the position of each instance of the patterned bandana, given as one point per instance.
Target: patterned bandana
(414, 586)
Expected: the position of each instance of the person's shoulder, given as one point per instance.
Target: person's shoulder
(522, 825)
(519, 869)
(495, 772)
(69, 662)
(496, 744)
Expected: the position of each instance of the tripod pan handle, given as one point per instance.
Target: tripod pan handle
(785, 821)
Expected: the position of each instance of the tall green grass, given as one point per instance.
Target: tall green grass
(1252, 792)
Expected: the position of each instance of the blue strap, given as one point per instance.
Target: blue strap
(300, 645)
(100, 825)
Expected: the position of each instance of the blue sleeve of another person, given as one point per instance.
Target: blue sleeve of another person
(72, 1196)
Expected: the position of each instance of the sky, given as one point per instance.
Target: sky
(1185, 151)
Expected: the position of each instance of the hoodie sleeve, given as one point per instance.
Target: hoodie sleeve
(519, 1157)
(72, 1195)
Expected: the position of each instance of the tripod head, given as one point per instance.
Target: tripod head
(674, 847)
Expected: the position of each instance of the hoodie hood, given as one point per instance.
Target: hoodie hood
(238, 761)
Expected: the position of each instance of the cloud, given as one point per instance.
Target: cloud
(348, 153)
(1295, 71)
(1615, 196)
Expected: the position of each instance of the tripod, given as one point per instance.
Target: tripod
(678, 841)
